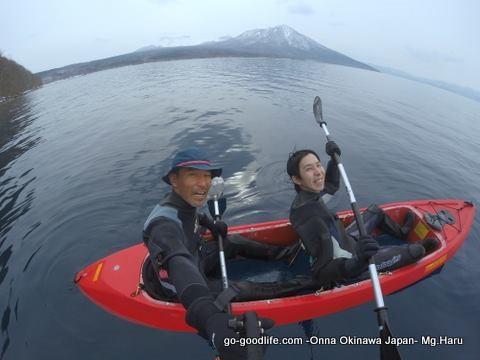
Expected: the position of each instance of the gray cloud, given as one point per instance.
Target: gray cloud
(300, 9)
(431, 56)
(296, 8)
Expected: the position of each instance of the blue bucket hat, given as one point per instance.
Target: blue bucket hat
(193, 158)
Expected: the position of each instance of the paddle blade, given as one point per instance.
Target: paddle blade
(317, 110)
(216, 188)
(388, 351)
(222, 206)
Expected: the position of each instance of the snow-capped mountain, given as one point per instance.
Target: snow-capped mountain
(282, 35)
(276, 42)
(283, 41)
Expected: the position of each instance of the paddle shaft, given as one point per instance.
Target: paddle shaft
(250, 322)
(361, 225)
(387, 351)
(221, 252)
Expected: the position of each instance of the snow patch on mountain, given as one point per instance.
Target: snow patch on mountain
(282, 35)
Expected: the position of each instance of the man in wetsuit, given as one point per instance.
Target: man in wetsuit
(336, 255)
(173, 235)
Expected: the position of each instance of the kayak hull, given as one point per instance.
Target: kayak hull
(113, 282)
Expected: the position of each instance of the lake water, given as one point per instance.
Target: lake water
(81, 162)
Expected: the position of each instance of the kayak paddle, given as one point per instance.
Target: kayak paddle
(387, 351)
(215, 193)
(248, 323)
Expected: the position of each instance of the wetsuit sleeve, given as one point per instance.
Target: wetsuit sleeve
(167, 248)
(204, 220)
(332, 178)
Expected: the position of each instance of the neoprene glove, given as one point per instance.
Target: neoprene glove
(216, 227)
(219, 228)
(331, 148)
(213, 325)
(366, 247)
(220, 334)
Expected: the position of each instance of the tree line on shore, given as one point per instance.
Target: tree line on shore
(15, 79)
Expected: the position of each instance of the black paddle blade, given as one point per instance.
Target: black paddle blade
(388, 351)
(317, 110)
(222, 206)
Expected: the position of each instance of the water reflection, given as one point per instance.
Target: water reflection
(17, 136)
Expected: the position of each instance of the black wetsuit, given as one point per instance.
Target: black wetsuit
(330, 245)
(176, 245)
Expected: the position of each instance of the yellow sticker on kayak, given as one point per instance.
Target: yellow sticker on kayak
(421, 230)
(97, 272)
(436, 264)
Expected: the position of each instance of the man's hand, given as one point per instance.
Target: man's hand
(217, 329)
(219, 228)
(216, 326)
(221, 335)
(216, 227)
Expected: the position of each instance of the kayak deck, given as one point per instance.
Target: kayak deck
(113, 282)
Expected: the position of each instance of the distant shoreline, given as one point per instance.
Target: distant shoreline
(271, 45)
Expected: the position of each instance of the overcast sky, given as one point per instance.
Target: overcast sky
(434, 39)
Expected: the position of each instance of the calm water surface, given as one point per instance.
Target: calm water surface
(81, 162)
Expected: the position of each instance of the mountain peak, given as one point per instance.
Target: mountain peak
(287, 30)
(282, 35)
(276, 42)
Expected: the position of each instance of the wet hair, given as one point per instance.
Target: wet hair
(293, 163)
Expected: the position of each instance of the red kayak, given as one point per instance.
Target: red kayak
(114, 281)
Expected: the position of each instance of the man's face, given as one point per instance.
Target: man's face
(192, 185)
(312, 174)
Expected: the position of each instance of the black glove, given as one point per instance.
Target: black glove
(366, 247)
(216, 227)
(221, 334)
(219, 228)
(214, 326)
(331, 148)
